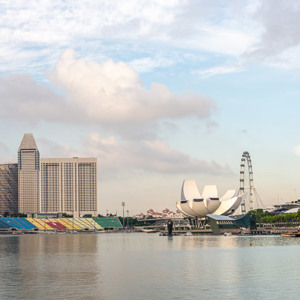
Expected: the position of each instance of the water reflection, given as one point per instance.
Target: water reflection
(49, 266)
(144, 266)
(194, 242)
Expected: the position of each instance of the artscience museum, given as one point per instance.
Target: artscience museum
(193, 204)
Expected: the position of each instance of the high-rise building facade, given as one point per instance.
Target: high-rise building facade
(69, 185)
(8, 189)
(28, 175)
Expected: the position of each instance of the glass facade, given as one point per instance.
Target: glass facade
(8, 189)
(28, 175)
(69, 185)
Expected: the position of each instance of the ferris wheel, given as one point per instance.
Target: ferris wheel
(246, 158)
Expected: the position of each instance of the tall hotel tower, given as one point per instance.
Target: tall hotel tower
(28, 175)
(69, 185)
(8, 189)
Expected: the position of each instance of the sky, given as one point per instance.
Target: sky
(157, 91)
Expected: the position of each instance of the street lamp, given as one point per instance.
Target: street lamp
(123, 205)
(127, 218)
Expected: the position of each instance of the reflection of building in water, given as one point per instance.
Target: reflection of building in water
(207, 241)
(10, 268)
(59, 260)
(8, 189)
(69, 185)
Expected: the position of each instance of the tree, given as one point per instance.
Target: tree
(259, 214)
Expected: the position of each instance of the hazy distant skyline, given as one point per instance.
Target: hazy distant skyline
(158, 91)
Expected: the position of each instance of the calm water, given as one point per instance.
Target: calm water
(147, 266)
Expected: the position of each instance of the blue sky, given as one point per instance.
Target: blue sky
(158, 91)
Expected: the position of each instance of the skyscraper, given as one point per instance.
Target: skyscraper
(28, 175)
(8, 189)
(69, 185)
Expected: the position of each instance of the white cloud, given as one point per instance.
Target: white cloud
(296, 150)
(218, 70)
(148, 64)
(112, 93)
(52, 149)
(146, 155)
(23, 99)
(120, 157)
(33, 34)
(3, 147)
(285, 59)
(279, 40)
(108, 93)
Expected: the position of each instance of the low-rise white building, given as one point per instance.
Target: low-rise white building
(193, 204)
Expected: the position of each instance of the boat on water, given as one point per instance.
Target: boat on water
(227, 234)
(291, 234)
(149, 230)
(17, 233)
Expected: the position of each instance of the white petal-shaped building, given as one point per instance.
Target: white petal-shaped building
(192, 204)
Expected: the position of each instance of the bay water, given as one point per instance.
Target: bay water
(148, 266)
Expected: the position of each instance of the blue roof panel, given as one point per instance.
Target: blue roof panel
(220, 218)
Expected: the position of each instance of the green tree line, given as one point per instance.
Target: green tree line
(265, 217)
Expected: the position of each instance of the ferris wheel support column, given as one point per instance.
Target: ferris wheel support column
(242, 186)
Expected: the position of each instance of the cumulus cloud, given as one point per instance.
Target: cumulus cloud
(119, 157)
(22, 98)
(281, 23)
(114, 93)
(279, 40)
(52, 149)
(147, 155)
(112, 96)
(108, 94)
